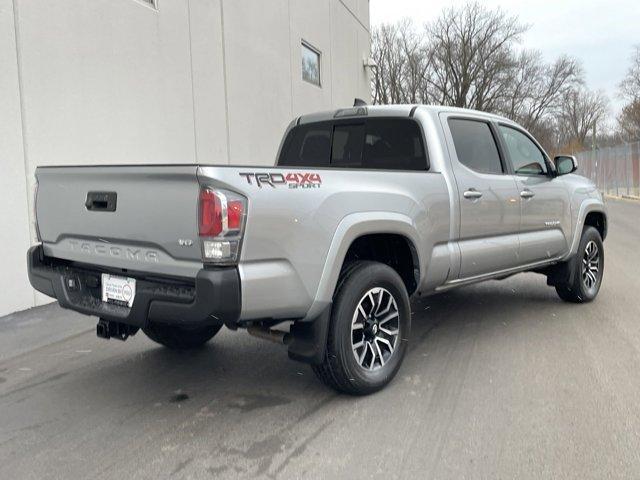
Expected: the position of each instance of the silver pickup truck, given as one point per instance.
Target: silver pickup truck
(366, 207)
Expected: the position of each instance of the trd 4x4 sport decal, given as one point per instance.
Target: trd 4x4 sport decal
(293, 180)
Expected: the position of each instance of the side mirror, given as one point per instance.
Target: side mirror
(565, 164)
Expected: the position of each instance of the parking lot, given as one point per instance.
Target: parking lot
(503, 380)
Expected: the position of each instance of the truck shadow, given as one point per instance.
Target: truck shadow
(237, 382)
(485, 304)
(235, 364)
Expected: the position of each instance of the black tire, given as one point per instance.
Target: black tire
(180, 338)
(340, 368)
(582, 288)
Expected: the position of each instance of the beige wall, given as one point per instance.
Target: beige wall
(114, 81)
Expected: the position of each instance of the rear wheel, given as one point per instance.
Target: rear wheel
(179, 337)
(587, 269)
(370, 322)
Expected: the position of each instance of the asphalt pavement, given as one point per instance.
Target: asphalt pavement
(503, 381)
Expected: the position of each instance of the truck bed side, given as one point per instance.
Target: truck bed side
(298, 230)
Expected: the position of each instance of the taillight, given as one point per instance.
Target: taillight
(234, 214)
(210, 214)
(221, 223)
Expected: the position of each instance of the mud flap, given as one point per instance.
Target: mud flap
(562, 273)
(309, 341)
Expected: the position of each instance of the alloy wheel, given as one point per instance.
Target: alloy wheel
(375, 329)
(591, 266)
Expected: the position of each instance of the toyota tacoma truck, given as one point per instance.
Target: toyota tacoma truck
(365, 208)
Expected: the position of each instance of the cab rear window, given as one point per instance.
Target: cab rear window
(374, 143)
(394, 144)
(307, 146)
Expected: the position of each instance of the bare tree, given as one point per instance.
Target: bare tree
(387, 74)
(524, 79)
(629, 118)
(471, 56)
(630, 86)
(412, 49)
(629, 121)
(538, 89)
(402, 64)
(581, 110)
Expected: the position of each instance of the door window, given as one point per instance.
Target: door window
(475, 145)
(526, 157)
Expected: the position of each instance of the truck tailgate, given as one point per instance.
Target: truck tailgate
(138, 218)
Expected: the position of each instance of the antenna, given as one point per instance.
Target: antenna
(358, 102)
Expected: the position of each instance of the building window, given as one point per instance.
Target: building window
(151, 3)
(310, 64)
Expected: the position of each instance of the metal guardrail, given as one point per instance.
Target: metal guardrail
(615, 170)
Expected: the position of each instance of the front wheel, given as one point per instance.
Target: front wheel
(179, 337)
(588, 268)
(370, 322)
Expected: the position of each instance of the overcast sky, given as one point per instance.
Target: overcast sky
(599, 33)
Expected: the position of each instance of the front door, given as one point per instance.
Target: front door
(489, 203)
(545, 204)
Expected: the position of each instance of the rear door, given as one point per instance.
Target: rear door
(488, 197)
(544, 199)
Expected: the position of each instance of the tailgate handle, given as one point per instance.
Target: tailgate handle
(101, 201)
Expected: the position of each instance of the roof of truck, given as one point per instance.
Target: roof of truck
(391, 111)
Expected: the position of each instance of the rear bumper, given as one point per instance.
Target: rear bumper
(212, 298)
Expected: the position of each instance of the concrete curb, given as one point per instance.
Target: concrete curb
(623, 197)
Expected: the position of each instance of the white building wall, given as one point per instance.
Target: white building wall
(15, 292)
(195, 81)
(258, 77)
(209, 100)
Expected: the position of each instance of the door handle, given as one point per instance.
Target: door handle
(101, 201)
(472, 194)
(527, 194)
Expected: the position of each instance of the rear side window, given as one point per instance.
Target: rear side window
(307, 146)
(376, 143)
(475, 145)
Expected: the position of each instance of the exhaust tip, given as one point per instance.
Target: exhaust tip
(276, 336)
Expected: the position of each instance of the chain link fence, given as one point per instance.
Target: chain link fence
(615, 170)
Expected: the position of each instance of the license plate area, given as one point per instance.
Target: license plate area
(118, 290)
